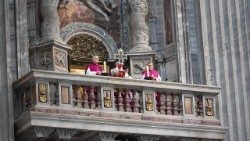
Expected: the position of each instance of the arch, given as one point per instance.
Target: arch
(86, 28)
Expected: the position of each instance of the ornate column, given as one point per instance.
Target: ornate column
(140, 53)
(139, 33)
(50, 52)
(51, 22)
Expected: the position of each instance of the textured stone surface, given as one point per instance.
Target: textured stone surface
(6, 69)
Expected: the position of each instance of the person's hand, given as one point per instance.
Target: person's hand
(98, 73)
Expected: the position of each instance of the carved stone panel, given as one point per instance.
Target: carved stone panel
(138, 63)
(45, 58)
(50, 56)
(60, 59)
(149, 101)
(42, 93)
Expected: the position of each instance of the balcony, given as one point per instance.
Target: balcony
(80, 103)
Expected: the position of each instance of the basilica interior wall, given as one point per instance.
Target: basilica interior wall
(210, 46)
(225, 40)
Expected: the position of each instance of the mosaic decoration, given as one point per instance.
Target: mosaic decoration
(84, 47)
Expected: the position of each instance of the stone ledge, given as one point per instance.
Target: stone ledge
(131, 123)
(103, 80)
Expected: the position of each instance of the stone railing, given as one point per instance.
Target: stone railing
(110, 94)
(61, 100)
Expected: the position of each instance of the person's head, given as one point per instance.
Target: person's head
(151, 66)
(95, 59)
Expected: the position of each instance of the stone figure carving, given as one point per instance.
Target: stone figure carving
(103, 7)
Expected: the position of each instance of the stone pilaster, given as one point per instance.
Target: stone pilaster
(50, 52)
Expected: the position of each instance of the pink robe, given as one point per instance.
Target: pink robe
(152, 73)
(92, 69)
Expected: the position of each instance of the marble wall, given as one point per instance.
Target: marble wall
(226, 43)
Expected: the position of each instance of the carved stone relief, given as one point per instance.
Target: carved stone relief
(45, 57)
(60, 59)
(42, 92)
(138, 64)
(209, 106)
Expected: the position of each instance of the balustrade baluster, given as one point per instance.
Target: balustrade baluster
(86, 99)
(99, 104)
(92, 98)
(135, 103)
(162, 104)
(127, 101)
(78, 92)
(198, 105)
(120, 101)
(175, 104)
(168, 104)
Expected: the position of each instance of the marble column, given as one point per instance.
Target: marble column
(51, 22)
(140, 52)
(139, 32)
(50, 52)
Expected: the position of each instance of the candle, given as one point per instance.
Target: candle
(104, 67)
(147, 71)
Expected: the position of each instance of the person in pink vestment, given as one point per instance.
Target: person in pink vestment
(151, 72)
(94, 68)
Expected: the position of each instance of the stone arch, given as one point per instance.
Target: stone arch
(75, 28)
